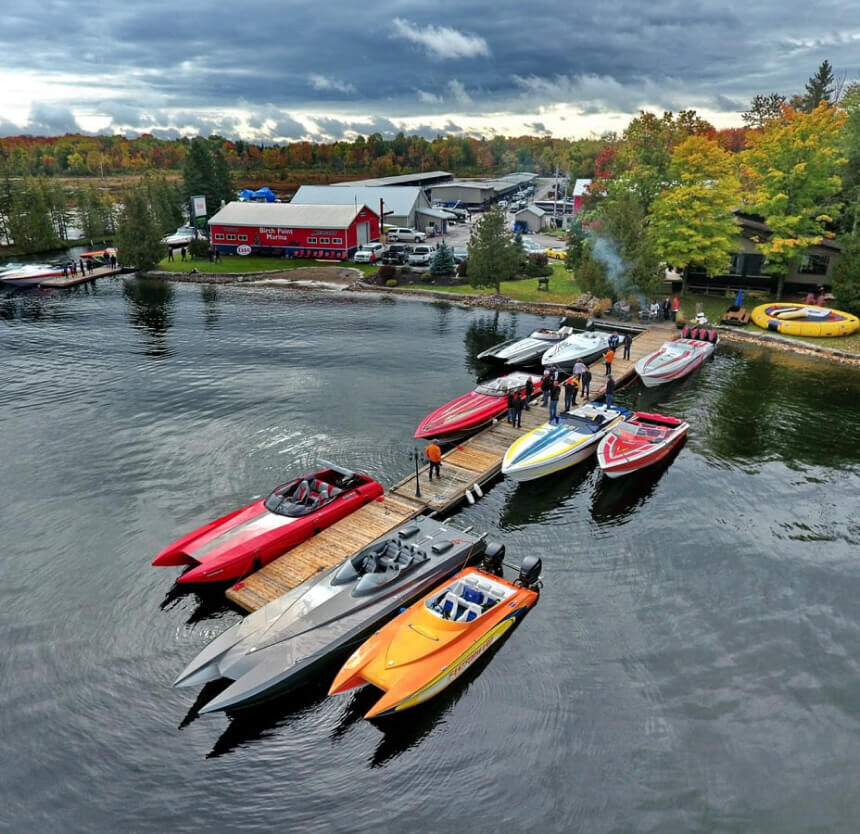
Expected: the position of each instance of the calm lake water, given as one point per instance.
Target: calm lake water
(692, 664)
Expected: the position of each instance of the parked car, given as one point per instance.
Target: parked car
(502, 204)
(421, 255)
(396, 254)
(460, 254)
(530, 246)
(412, 235)
(368, 253)
(556, 252)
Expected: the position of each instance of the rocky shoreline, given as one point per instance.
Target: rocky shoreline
(325, 278)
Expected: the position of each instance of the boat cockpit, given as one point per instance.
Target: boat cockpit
(467, 598)
(378, 565)
(305, 495)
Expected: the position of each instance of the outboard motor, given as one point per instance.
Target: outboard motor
(713, 336)
(686, 332)
(694, 333)
(494, 556)
(530, 572)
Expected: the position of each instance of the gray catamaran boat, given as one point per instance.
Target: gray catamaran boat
(526, 351)
(281, 645)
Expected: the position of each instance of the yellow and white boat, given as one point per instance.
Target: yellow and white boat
(550, 447)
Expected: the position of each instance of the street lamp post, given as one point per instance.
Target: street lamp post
(417, 455)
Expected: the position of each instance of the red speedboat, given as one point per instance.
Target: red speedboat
(244, 540)
(470, 412)
(641, 441)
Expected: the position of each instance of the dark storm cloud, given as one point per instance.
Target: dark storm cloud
(408, 58)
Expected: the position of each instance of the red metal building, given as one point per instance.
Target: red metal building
(303, 231)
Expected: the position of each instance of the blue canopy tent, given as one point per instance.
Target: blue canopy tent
(264, 193)
(246, 194)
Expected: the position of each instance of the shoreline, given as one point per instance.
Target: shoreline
(351, 280)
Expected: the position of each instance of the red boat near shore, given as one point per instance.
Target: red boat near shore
(641, 441)
(243, 541)
(474, 410)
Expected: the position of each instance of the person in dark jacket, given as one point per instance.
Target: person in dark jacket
(571, 388)
(519, 404)
(614, 339)
(545, 387)
(667, 308)
(628, 341)
(610, 389)
(512, 405)
(530, 389)
(585, 388)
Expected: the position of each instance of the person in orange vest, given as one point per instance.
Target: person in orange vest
(434, 455)
(607, 359)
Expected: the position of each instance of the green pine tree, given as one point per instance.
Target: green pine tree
(443, 262)
(819, 88)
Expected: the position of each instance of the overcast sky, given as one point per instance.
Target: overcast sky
(272, 72)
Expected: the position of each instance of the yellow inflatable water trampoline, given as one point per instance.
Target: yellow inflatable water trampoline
(804, 320)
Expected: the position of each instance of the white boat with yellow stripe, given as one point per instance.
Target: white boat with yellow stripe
(552, 447)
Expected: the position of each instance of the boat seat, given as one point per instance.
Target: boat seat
(469, 611)
(472, 595)
(303, 490)
(335, 491)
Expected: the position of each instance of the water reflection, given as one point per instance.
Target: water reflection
(151, 309)
(615, 499)
(534, 501)
(209, 297)
(481, 334)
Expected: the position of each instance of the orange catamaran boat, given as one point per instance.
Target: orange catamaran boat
(432, 643)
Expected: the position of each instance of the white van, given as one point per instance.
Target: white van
(368, 253)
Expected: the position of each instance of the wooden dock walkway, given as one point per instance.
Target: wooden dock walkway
(475, 461)
(74, 280)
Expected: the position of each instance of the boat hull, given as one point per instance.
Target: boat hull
(420, 654)
(672, 361)
(243, 541)
(643, 441)
(588, 346)
(551, 448)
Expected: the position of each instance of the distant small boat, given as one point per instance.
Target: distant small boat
(641, 441)
(672, 361)
(469, 412)
(525, 351)
(181, 237)
(30, 275)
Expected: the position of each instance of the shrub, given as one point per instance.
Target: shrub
(387, 271)
(463, 268)
(391, 282)
(199, 248)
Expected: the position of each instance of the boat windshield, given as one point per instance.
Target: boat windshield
(629, 431)
(582, 424)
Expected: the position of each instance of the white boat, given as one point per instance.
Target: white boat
(181, 237)
(552, 447)
(30, 275)
(587, 346)
(525, 351)
(673, 360)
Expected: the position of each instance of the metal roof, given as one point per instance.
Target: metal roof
(400, 200)
(579, 187)
(288, 214)
(400, 178)
(438, 213)
(537, 211)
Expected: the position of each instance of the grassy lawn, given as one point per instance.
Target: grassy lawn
(562, 288)
(251, 263)
(713, 306)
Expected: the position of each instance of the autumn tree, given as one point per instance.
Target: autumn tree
(692, 220)
(493, 256)
(846, 275)
(792, 173)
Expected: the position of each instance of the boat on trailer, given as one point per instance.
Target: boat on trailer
(641, 441)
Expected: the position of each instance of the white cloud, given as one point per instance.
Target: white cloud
(324, 82)
(428, 98)
(458, 92)
(441, 41)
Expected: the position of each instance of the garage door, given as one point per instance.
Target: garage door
(363, 233)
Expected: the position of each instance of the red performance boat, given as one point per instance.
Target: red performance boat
(474, 410)
(641, 441)
(243, 541)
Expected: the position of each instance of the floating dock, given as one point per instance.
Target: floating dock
(474, 461)
(74, 280)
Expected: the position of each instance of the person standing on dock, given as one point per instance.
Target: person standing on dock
(83, 268)
(609, 393)
(434, 455)
(579, 368)
(530, 389)
(512, 405)
(545, 387)
(65, 270)
(74, 269)
(112, 259)
(585, 384)
(571, 388)
(554, 394)
(607, 360)
(628, 342)
(614, 340)
(519, 404)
